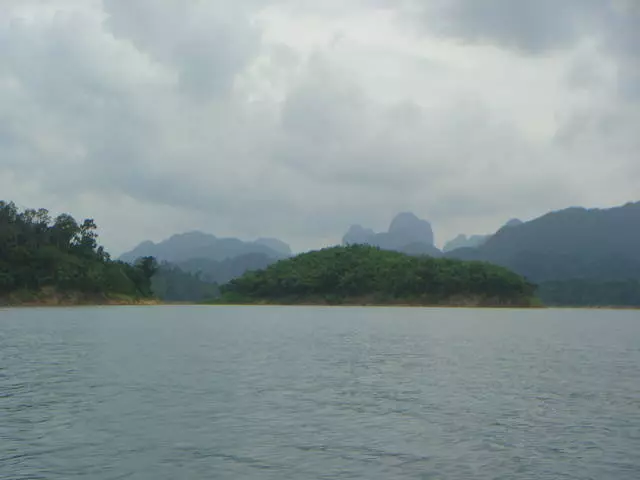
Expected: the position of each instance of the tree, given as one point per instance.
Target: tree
(342, 273)
(86, 238)
(38, 254)
(146, 268)
(65, 230)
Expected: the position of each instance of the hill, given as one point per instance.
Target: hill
(464, 241)
(187, 246)
(172, 284)
(359, 274)
(575, 243)
(407, 234)
(45, 260)
(474, 241)
(591, 293)
(227, 269)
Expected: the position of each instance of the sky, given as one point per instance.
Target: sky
(297, 118)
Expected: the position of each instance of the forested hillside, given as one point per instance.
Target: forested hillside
(591, 293)
(228, 269)
(573, 244)
(360, 274)
(42, 256)
(172, 284)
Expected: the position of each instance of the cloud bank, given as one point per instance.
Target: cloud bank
(297, 119)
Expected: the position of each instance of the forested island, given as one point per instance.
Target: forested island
(52, 261)
(366, 275)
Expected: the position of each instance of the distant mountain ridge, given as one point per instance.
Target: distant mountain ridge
(575, 243)
(464, 241)
(221, 272)
(190, 245)
(407, 233)
(473, 241)
(573, 254)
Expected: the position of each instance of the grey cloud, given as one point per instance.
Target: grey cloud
(532, 26)
(541, 26)
(208, 42)
(529, 26)
(94, 104)
(333, 132)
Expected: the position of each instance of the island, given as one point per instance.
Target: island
(367, 275)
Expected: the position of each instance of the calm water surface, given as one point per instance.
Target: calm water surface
(317, 393)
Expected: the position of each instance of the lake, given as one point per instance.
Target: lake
(319, 393)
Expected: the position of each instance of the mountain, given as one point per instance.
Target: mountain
(407, 233)
(407, 228)
(276, 245)
(462, 241)
(200, 245)
(575, 243)
(474, 241)
(590, 293)
(227, 269)
(171, 284)
(358, 235)
(514, 222)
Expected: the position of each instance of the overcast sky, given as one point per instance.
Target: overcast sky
(297, 118)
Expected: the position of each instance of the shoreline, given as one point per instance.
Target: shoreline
(159, 303)
(77, 301)
(52, 302)
(6, 306)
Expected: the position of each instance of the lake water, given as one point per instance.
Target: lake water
(318, 393)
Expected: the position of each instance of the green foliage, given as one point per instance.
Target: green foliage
(343, 274)
(591, 293)
(172, 284)
(221, 272)
(37, 252)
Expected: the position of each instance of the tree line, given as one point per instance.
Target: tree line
(39, 251)
(338, 274)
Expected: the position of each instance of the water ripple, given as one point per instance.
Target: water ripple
(229, 393)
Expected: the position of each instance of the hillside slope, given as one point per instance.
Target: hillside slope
(575, 243)
(187, 246)
(360, 274)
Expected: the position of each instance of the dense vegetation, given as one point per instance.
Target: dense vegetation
(60, 256)
(172, 284)
(226, 270)
(591, 293)
(364, 274)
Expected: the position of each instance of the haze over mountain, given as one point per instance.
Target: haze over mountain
(197, 245)
(275, 245)
(473, 241)
(590, 256)
(464, 241)
(407, 233)
(221, 272)
(575, 243)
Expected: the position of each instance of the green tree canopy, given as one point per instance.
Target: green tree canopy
(37, 251)
(344, 274)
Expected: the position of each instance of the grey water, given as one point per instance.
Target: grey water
(319, 393)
